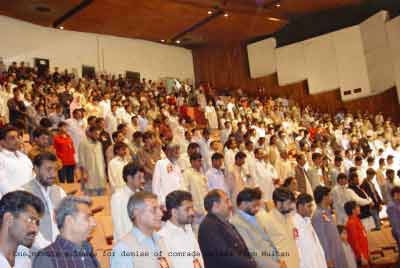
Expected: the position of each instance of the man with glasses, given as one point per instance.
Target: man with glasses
(20, 214)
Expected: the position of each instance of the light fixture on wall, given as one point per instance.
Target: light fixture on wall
(61, 27)
(273, 19)
(162, 41)
(209, 12)
(278, 5)
(178, 41)
(226, 15)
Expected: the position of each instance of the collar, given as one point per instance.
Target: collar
(69, 244)
(9, 153)
(44, 190)
(141, 237)
(174, 227)
(246, 216)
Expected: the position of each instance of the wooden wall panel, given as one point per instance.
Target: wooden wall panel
(226, 67)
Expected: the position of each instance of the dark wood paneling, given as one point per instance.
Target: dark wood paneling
(226, 67)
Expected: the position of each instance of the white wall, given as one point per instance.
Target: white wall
(262, 58)
(290, 62)
(377, 52)
(321, 66)
(24, 41)
(362, 60)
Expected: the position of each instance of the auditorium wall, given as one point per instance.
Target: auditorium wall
(226, 68)
(22, 41)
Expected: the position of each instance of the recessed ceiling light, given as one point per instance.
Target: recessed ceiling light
(226, 15)
(209, 12)
(274, 19)
(61, 27)
(178, 41)
(278, 5)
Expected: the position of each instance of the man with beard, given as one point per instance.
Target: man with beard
(167, 175)
(19, 223)
(245, 220)
(279, 227)
(71, 249)
(133, 175)
(45, 167)
(91, 162)
(220, 242)
(177, 232)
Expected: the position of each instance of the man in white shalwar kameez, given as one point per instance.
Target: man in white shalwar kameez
(311, 252)
(264, 175)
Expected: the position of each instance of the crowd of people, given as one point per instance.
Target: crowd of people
(263, 183)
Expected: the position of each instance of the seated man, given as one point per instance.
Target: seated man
(71, 249)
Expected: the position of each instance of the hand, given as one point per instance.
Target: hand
(330, 264)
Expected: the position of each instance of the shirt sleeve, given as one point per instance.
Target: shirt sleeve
(393, 218)
(360, 201)
(117, 259)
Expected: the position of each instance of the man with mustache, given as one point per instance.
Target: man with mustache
(45, 167)
(133, 175)
(278, 225)
(20, 214)
(71, 248)
(142, 247)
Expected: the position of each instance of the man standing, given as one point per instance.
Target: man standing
(220, 242)
(167, 175)
(315, 172)
(133, 176)
(279, 227)
(249, 203)
(326, 230)
(19, 223)
(15, 167)
(369, 187)
(177, 231)
(71, 249)
(215, 175)
(196, 183)
(393, 210)
(148, 156)
(265, 174)
(45, 167)
(76, 129)
(41, 139)
(301, 175)
(307, 240)
(91, 161)
(116, 165)
(237, 176)
(145, 212)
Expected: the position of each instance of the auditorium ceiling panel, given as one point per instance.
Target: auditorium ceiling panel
(188, 22)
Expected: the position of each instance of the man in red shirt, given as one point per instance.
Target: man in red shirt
(357, 235)
(65, 151)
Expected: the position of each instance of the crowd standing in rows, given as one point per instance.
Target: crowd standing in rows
(261, 182)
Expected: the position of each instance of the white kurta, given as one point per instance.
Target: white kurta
(167, 177)
(263, 176)
(197, 184)
(179, 240)
(119, 213)
(211, 116)
(311, 252)
(115, 168)
(16, 169)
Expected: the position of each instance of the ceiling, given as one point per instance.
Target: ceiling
(188, 21)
